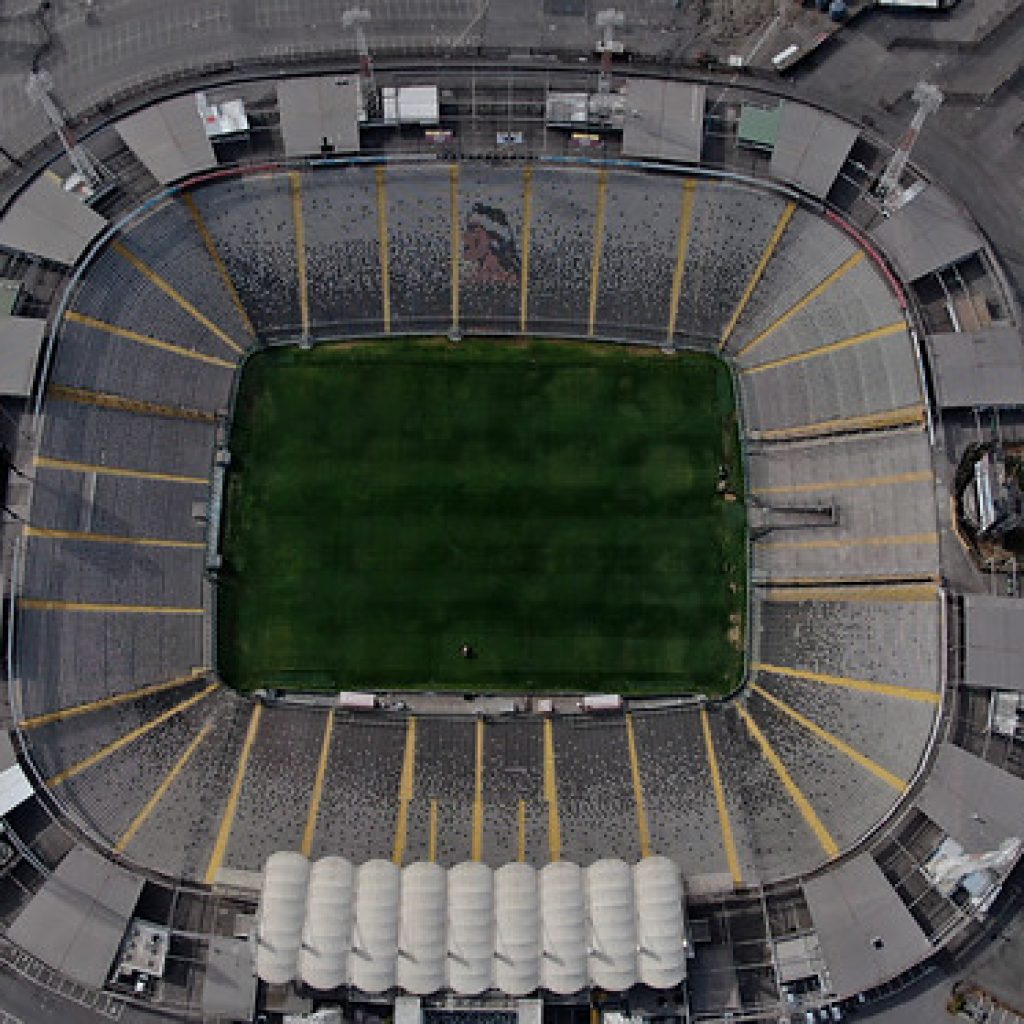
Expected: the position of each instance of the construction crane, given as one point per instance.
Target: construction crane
(928, 99)
(39, 88)
(354, 18)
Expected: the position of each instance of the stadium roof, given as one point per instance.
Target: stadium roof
(975, 802)
(282, 911)
(49, 222)
(317, 109)
(14, 785)
(76, 922)
(21, 339)
(664, 120)
(867, 934)
(978, 368)
(469, 929)
(995, 641)
(810, 148)
(229, 985)
(169, 138)
(327, 933)
(926, 234)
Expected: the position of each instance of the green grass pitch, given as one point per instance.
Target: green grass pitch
(553, 505)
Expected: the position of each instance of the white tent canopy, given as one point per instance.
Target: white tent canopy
(470, 928)
(611, 945)
(327, 934)
(661, 945)
(281, 916)
(563, 928)
(375, 939)
(422, 929)
(517, 929)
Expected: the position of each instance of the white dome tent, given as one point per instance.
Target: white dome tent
(471, 929)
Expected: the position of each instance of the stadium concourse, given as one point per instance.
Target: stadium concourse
(812, 801)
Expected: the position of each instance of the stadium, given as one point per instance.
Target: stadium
(701, 767)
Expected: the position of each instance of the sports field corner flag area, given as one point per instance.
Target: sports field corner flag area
(573, 513)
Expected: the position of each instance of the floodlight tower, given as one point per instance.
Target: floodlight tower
(608, 20)
(354, 18)
(39, 88)
(928, 99)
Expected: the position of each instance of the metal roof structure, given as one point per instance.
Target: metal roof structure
(76, 922)
(810, 148)
(975, 802)
(758, 127)
(865, 931)
(49, 222)
(319, 110)
(229, 984)
(995, 642)
(10, 292)
(978, 368)
(15, 787)
(663, 120)
(169, 139)
(21, 339)
(927, 233)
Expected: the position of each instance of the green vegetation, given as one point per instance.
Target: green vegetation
(556, 506)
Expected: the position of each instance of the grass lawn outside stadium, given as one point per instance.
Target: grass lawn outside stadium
(554, 505)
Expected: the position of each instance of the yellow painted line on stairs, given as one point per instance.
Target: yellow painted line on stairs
(161, 791)
(886, 540)
(144, 339)
(595, 259)
(112, 701)
(129, 737)
(889, 331)
(477, 846)
(382, 246)
(108, 538)
(432, 837)
(728, 839)
(172, 293)
(848, 483)
(819, 289)
(638, 790)
(861, 685)
(227, 819)
(406, 788)
(551, 793)
(214, 253)
(524, 249)
(105, 400)
(521, 830)
(833, 741)
(69, 466)
(895, 593)
(814, 823)
(301, 267)
(758, 273)
(317, 792)
(682, 243)
(38, 604)
(910, 416)
(456, 240)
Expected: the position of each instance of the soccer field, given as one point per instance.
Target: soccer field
(555, 506)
